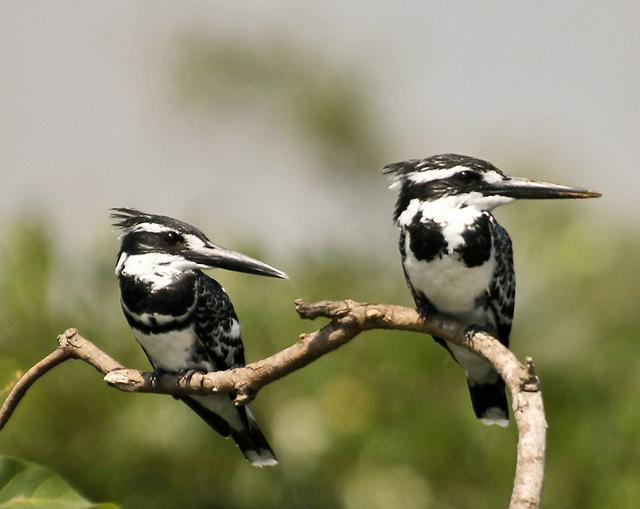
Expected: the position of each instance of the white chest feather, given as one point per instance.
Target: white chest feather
(448, 283)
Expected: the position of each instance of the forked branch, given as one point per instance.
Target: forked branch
(347, 320)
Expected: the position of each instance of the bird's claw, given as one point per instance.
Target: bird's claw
(187, 373)
(154, 378)
(471, 331)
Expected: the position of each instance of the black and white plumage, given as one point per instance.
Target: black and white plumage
(458, 260)
(182, 318)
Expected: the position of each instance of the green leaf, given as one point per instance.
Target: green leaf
(27, 485)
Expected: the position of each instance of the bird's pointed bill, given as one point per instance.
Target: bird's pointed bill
(521, 188)
(213, 257)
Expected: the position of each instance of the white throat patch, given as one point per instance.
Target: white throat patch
(159, 269)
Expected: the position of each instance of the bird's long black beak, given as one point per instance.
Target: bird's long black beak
(522, 188)
(213, 257)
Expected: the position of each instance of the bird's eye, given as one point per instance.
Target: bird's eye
(172, 238)
(468, 176)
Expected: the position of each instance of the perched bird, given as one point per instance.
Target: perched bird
(182, 318)
(458, 260)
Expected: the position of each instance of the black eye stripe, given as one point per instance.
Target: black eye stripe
(172, 237)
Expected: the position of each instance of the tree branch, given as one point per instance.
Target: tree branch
(347, 320)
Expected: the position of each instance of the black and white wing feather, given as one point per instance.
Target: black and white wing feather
(217, 325)
(218, 330)
(502, 293)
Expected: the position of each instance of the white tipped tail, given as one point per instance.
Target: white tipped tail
(494, 415)
(253, 444)
(261, 458)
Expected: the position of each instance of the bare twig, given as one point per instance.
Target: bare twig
(27, 380)
(70, 346)
(347, 319)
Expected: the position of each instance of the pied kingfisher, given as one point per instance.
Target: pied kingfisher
(183, 319)
(458, 260)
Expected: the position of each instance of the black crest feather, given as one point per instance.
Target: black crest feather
(437, 162)
(127, 218)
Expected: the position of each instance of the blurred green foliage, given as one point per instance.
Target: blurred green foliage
(383, 422)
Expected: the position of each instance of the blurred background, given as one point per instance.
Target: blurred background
(266, 124)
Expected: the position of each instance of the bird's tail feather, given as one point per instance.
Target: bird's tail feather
(485, 385)
(253, 444)
(211, 418)
(490, 402)
(243, 429)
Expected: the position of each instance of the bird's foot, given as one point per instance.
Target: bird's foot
(187, 373)
(155, 376)
(471, 331)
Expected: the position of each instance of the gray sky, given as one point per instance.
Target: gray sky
(89, 117)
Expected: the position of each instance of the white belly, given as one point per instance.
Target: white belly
(453, 288)
(171, 351)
